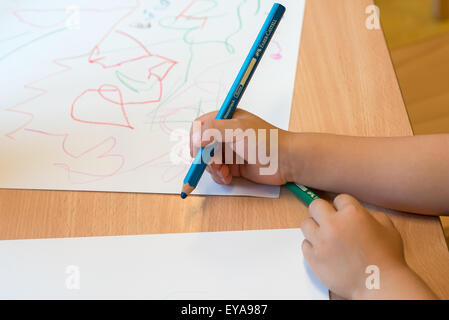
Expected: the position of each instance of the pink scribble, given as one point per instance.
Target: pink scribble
(106, 154)
(101, 91)
(66, 68)
(182, 14)
(152, 72)
(94, 56)
(277, 55)
(41, 93)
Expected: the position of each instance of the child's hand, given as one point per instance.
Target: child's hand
(342, 242)
(223, 173)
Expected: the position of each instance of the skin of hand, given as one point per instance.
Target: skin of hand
(387, 171)
(223, 173)
(341, 241)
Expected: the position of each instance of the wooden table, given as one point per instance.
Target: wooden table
(345, 84)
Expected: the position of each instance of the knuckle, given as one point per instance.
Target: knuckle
(316, 205)
(307, 249)
(344, 197)
(305, 223)
(350, 209)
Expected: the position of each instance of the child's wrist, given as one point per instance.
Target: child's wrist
(291, 155)
(394, 283)
(363, 292)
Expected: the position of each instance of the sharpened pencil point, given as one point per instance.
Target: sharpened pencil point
(183, 195)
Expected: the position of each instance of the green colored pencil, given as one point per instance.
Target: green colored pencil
(302, 192)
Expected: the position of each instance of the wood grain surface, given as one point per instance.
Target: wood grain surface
(345, 84)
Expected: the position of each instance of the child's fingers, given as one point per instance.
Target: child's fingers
(217, 178)
(214, 170)
(320, 210)
(307, 250)
(225, 173)
(309, 228)
(227, 179)
(220, 172)
(344, 200)
(235, 170)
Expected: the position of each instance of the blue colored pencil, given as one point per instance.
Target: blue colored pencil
(235, 94)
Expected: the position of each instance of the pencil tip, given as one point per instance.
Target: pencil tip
(183, 195)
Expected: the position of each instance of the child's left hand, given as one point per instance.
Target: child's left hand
(342, 242)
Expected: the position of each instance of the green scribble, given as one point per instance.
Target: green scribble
(258, 7)
(26, 44)
(120, 76)
(123, 79)
(169, 23)
(240, 24)
(15, 37)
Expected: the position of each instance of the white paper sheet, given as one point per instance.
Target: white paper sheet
(99, 96)
(263, 264)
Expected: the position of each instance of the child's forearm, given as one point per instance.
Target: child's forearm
(405, 173)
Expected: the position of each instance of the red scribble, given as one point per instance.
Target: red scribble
(96, 52)
(66, 11)
(17, 13)
(42, 92)
(146, 163)
(106, 154)
(57, 62)
(169, 175)
(163, 118)
(152, 71)
(182, 14)
(197, 83)
(101, 90)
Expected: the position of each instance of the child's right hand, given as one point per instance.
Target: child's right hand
(223, 173)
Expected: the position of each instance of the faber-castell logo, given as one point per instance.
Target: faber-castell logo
(268, 33)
